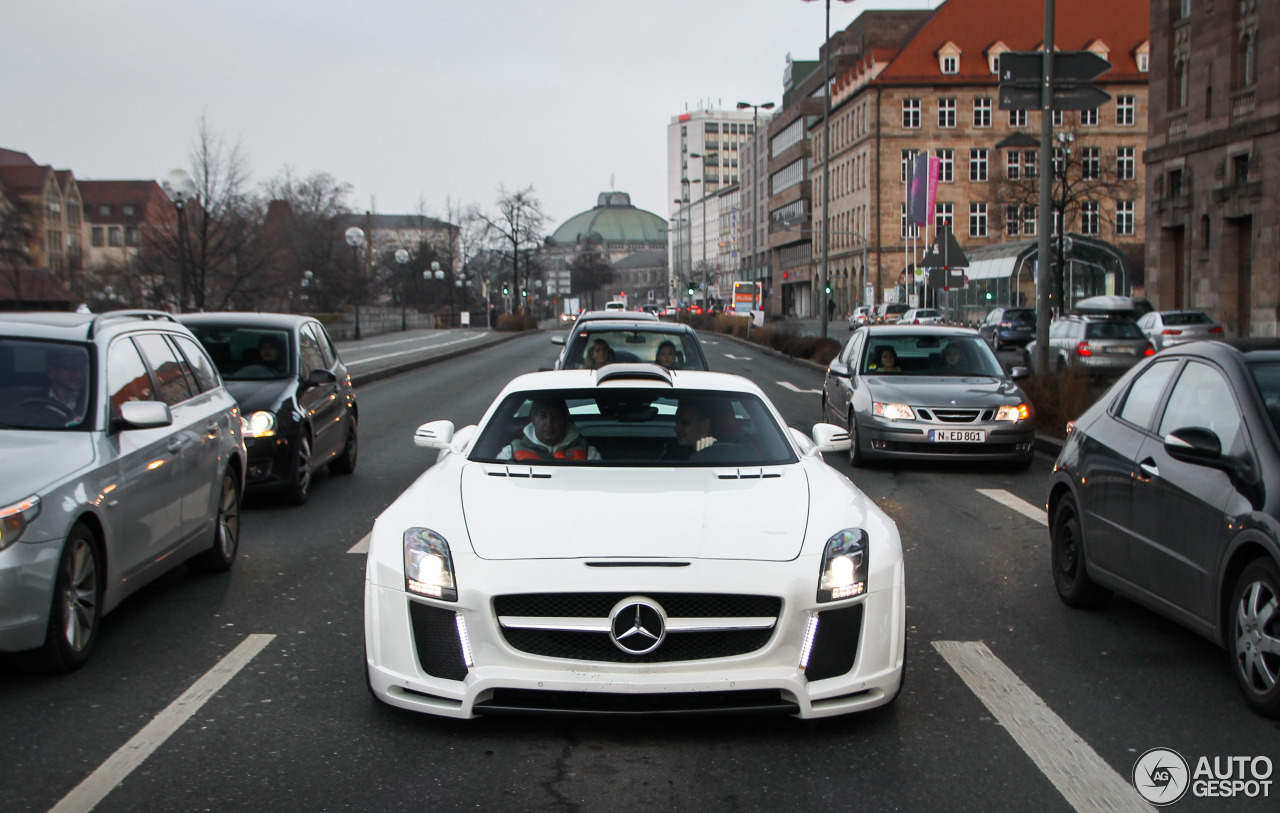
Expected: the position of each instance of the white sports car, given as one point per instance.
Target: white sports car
(633, 540)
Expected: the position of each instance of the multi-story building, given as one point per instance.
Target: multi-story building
(118, 213)
(928, 83)
(754, 219)
(50, 201)
(1213, 162)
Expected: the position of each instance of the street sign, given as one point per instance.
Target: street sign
(944, 252)
(1022, 74)
(1022, 67)
(1078, 66)
(1018, 98)
(1081, 97)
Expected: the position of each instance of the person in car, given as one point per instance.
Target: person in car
(954, 358)
(599, 354)
(887, 360)
(66, 373)
(549, 435)
(667, 356)
(270, 353)
(693, 431)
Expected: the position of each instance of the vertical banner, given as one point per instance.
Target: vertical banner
(918, 189)
(935, 169)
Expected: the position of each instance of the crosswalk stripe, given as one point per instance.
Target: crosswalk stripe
(794, 388)
(1017, 504)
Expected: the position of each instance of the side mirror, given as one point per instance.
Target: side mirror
(434, 435)
(838, 369)
(1196, 445)
(827, 437)
(143, 415)
(320, 376)
(558, 340)
(1019, 373)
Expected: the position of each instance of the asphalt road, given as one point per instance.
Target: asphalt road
(1008, 692)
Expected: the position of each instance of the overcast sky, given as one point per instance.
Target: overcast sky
(406, 100)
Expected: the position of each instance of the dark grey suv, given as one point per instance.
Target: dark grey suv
(1099, 345)
(1005, 327)
(131, 462)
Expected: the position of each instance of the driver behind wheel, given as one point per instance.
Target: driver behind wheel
(549, 435)
(65, 369)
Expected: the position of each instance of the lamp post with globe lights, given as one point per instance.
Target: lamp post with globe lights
(181, 188)
(355, 238)
(402, 257)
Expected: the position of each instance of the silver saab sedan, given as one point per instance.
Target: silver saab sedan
(916, 392)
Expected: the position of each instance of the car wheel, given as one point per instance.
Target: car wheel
(995, 342)
(345, 463)
(77, 608)
(1070, 570)
(299, 487)
(856, 458)
(1254, 636)
(226, 532)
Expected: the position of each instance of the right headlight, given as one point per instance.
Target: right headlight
(15, 518)
(258, 425)
(428, 566)
(844, 566)
(894, 412)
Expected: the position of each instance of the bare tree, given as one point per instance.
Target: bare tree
(590, 270)
(15, 252)
(516, 230)
(303, 233)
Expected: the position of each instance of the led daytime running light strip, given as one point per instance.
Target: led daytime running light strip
(810, 633)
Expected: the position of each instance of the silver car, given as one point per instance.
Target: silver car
(1098, 345)
(131, 460)
(1166, 328)
(911, 392)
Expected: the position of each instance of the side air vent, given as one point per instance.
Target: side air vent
(748, 474)
(526, 472)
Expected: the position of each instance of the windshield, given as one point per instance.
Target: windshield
(45, 385)
(246, 353)
(594, 349)
(930, 356)
(642, 427)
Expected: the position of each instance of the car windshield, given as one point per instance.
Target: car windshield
(246, 353)
(633, 427)
(45, 385)
(1112, 330)
(676, 350)
(1186, 318)
(930, 356)
(1267, 376)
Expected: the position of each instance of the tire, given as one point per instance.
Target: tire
(221, 555)
(76, 613)
(995, 342)
(345, 462)
(1070, 568)
(856, 458)
(299, 487)
(1257, 671)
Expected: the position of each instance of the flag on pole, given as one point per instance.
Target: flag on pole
(918, 189)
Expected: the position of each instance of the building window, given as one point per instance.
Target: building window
(97, 237)
(982, 112)
(977, 220)
(911, 114)
(1013, 165)
(787, 177)
(951, 64)
(944, 214)
(1091, 163)
(1125, 163)
(1058, 166)
(104, 210)
(1184, 9)
(1247, 59)
(1124, 218)
(946, 165)
(907, 155)
(1057, 118)
(1240, 168)
(1012, 222)
(1124, 111)
(978, 164)
(128, 209)
(1089, 219)
(1017, 118)
(1031, 164)
(1144, 63)
(114, 237)
(909, 229)
(1175, 183)
(132, 236)
(947, 113)
(1089, 118)
(1030, 221)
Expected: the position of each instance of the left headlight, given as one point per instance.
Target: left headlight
(15, 518)
(258, 425)
(1014, 412)
(428, 566)
(894, 412)
(844, 566)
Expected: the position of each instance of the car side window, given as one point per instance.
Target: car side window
(309, 347)
(326, 346)
(175, 380)
(127, 376)
(201, 367)
(1202, 397)
(850, 353)
(1144, 393)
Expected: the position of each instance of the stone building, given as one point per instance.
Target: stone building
(618, 230)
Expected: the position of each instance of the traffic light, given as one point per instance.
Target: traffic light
(523, 292)
(690, 290)
(988, 294)
(828, 289)
(505, 290)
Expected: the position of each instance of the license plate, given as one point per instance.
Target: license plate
(957, 435)
(1122, 351)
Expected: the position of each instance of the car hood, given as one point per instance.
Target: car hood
(975, 391)
(594, 512)
(46, 459)
(261, 395)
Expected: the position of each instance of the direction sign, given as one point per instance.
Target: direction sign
(1078, 66)
(1022, 73)
(1082, 97)
(945, 252)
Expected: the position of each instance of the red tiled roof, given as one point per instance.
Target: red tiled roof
(975, 25)
(13, 158)
(24, 180)
(116, 194)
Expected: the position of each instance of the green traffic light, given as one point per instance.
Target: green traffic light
(505, 290)
(988, 294)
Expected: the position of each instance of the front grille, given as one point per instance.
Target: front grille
(435, 634)
(524, 701)
(955, 415)
(598, 646)
(836, 646)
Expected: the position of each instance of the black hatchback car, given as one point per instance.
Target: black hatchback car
(1161, 494)
(298, 408)
(1009, 327)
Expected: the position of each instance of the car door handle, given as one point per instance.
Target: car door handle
(1149, 466)
(212, 428)
(175, 444)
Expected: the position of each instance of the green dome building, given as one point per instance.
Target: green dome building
(633, 241)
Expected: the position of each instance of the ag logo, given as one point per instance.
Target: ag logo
(1161, 776)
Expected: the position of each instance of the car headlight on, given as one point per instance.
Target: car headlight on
(15, 518)
(844, 566)
(1013, 412)
(258, 425)
(428, 566)
(894, 412)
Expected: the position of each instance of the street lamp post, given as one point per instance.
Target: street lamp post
(755, 182)
(181, 188)
(402, 257)
(355, 237)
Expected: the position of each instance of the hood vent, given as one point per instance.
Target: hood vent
(525, 472)
(748, 474)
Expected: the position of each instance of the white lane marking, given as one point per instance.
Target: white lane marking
(362, 546)
(413, 351)
(737, 358)
(794, 388)
(1083, 778)
(1017, 504)
(116, 769)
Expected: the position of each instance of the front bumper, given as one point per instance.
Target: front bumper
(269, 461)
(27, 575)
(1003, 441)
(769, 678)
